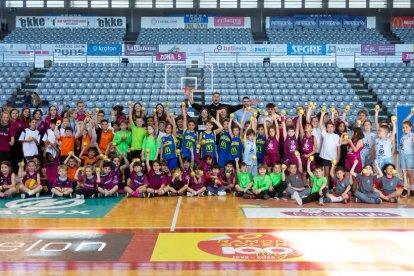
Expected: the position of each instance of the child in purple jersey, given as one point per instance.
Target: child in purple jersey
(197, 182)
(390, 185)
(31, 184)
(87, 182)
(109, 181)
(309, 146)
(187, 166)
(7, 180)
(51, 167)
(355, 147)
(272, 142)
(290, 137)
(118, 169)
(214, 183)
(157, 180)
(228, 177)
(62, 186)
(137, 182)
(178, 185)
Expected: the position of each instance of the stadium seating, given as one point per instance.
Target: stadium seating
(11, 77)
(191, 36)
(405, 35)
(288, 85)
(325, 36)
(392, 82)
(65, 36)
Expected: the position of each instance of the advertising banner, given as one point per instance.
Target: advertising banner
(408, 56)
(140, 50)
(104, 49)
(70, 22)
(67, 49)
(343, 49)
(162, 22)
(171, 57)
(317, 21)
(306, 49)
(402, 22)
(227, 21)
(198, 21)
(206, 48)
(377, 50)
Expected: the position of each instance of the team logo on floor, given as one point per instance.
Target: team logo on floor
(47, 207)
(249, 247)
(374, 213)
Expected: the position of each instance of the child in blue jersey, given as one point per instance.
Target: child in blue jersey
(236, 146)
(207, 138)
(178, 131)
(407, 152)
(224, 144)
(260, 143)
(384, 144)
(189, 136)
(250, 150)
(168, 150)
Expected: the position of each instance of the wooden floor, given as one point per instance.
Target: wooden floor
(204, 236)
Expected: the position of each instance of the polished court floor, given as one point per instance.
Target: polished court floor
(204, 236)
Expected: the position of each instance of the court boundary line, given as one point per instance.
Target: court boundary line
(176, 212)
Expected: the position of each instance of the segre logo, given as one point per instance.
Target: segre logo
(304, 49)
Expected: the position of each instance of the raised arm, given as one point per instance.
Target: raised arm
(394, 129)
(237, 165)
(308, 168)
(408, 118)
(309, 114)
(376, 119)
(332, 171)
(219, 126)
(298, 123)
(284, 129)
(321, 120)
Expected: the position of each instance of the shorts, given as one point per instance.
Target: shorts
(172, 163)
(407, 161)
(399, 186)
(384, 161)
(271, 159)
(326, 163)
(223, 159)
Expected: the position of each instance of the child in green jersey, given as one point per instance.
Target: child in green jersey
(262, 183)
(244, 179)
(278, 178)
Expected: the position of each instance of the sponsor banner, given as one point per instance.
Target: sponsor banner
(196, 22)
(377, 50)
(363, 213)
(286, 247)
(228, 21)
(402, 22)
(140, 49)
(343, 49)
(104, 49)
(162, 22)
(63, 246)
(399, 48)
(306, 49)
(408, 56)
(170, 57)
(317, 21)
(47, 207)
(270, 48)
(70, 22)
(68, 49)
(206, 48)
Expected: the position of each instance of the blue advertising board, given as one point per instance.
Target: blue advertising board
(306, 49)
(402, 113)
(104, 49)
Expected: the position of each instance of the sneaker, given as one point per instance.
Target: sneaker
(393, 200)
(23, 196)
(357, 200)
(209, 193)
(411, 194)
(70, 195)
(180, 194)
(248, 196)
(82, 196)
(93, 196)
(78, 196)
(53, 195)
(128, 195)
(276, 198)
(201, 194)
(116, 194)
(284, 198)
(266, 197)
(404, 193)
(378, 201)
(37, 194)
(321, 201)
(345, 201)
(297, 197)
(327, 200)
(238, 194)
(141, 195)
(221, 193)
(190, 194)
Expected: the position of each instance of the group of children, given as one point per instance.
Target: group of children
(306, 158)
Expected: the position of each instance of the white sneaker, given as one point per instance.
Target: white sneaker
(22, 196)
(190, 194)
(37, 194)
(221, 193)
(321, 201)
(297, 197)
(78, 196)
(276, 198)
(209, 193)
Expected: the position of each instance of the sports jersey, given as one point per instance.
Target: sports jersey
(317, 183)
(276, 178)
(244, 179)
(236, 148)
(260, 146)
(340, 185)
(383, 148)
(168, 147)
(189, 141)
(262, 183)
(406, 144)
(366, 183)
(249, 152)
(138, 180)
(388, 185)
(209, 148)
(62, 183)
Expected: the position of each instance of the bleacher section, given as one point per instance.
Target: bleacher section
(288, 85)
(325, 36)
(392, 82)
(405, 35)
(195, 36)
(11, 77)
(65, 36)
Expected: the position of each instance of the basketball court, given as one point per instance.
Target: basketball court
(203, 236)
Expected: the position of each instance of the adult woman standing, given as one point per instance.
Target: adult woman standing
(6, 140)
(52, 116)
(17, 125)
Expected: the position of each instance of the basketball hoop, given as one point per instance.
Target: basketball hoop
(188, 90)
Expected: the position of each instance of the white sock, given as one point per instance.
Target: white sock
(337, 199)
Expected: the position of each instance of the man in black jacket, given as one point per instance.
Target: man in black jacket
(214, 106)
